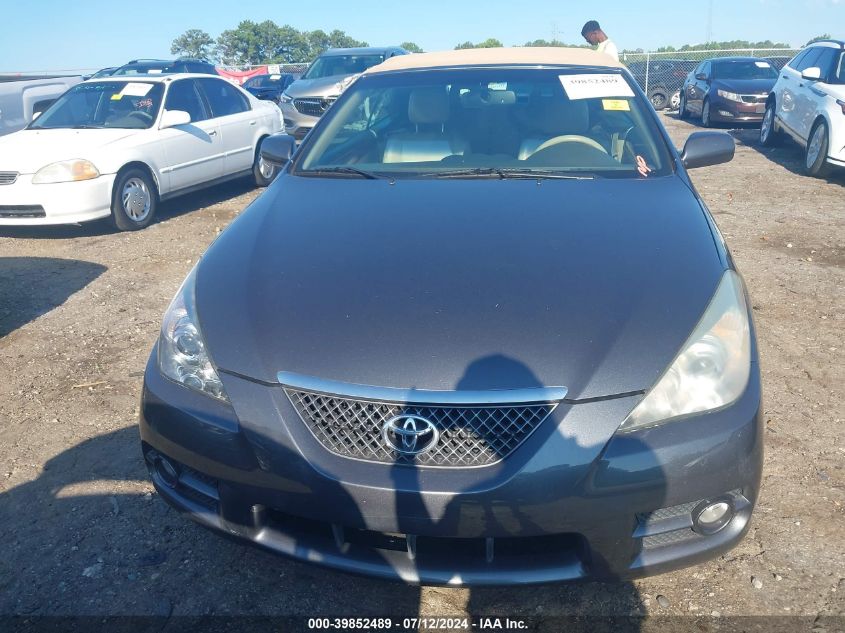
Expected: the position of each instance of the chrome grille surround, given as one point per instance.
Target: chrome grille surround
(473, 433)
(8, 177)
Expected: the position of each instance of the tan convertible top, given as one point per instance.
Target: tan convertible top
(557, 56)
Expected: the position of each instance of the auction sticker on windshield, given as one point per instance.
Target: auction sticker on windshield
(594, 86)
(136, 90)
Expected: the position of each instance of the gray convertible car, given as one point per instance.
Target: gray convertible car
(481, 329)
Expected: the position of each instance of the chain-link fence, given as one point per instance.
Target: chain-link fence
(661, 75)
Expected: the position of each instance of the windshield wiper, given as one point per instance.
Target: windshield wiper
(86, 126)
(499, 172)
(346, 169)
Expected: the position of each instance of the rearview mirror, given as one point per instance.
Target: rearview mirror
(173, 118)
(277, 149)
(813, 73)
(707, 148)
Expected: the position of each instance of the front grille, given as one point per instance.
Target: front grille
(313, 106)
(753, 98)
(470, 435)
(22, 211)
(8, 177)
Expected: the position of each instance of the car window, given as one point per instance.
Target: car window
(796, 61)
(826, 61)
(809, 60)
(118, 104)
(429, 124)
(744, 69)
(838, 74)
(183, 96)
(334, 65)
(223, 98)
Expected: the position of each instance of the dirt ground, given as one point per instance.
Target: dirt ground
(83, 532)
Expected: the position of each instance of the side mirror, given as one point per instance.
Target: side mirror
(812, 74)
(707, 148)
(173, 118)
(701, 76)
(277, 149)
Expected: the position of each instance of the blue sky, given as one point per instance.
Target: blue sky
(96, 33)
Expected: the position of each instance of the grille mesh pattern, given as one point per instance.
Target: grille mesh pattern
(469, 435)
(669, 538)
(313, 106)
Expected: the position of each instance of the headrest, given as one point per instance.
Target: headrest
(559, 116)
(429, 105)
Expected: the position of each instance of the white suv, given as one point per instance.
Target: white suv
(808, 104)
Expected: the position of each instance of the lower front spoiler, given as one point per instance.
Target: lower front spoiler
(668, 542)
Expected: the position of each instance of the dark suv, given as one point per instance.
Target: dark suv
(162, 66)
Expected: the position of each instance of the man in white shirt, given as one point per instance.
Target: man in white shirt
(594, 35)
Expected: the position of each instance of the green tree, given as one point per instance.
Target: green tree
(194, 43)
(818, 38)
(411, 47)
(491, 42)
(264, 43)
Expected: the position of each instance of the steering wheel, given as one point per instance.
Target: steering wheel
(570, 138)
(143, 116)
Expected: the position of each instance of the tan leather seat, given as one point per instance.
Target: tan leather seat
(428, 111)
(552, 118)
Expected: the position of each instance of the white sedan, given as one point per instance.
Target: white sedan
(117, 146)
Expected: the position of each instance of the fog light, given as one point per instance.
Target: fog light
(167, 471)
(726, 113)
(711, 516)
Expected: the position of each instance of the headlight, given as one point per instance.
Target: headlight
(182, 355)
(730, 96)
(285, 98)
(66, 171)
(712, 368)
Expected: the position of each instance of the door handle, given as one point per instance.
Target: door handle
(252, 122)
(213, 133)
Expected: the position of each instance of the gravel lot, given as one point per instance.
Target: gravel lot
(83, 533)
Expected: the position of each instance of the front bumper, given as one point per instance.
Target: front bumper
(295, 123)
(559, 508)
(727, 111)
(25, 204)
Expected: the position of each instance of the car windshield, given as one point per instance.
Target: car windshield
(333, 65)
(494, 122)
(263, 81)
(745, 69)
(104, 104)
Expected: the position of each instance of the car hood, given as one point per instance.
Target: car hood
(28, 151)
(745, 86)
(322, 87)
(589, 284)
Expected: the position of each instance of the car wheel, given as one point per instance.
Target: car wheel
(815, 158)
(683, 113)
(659, 99)
(769, 136)
(262, 171)
(134, 200)
(705, 114)
(675, 100)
